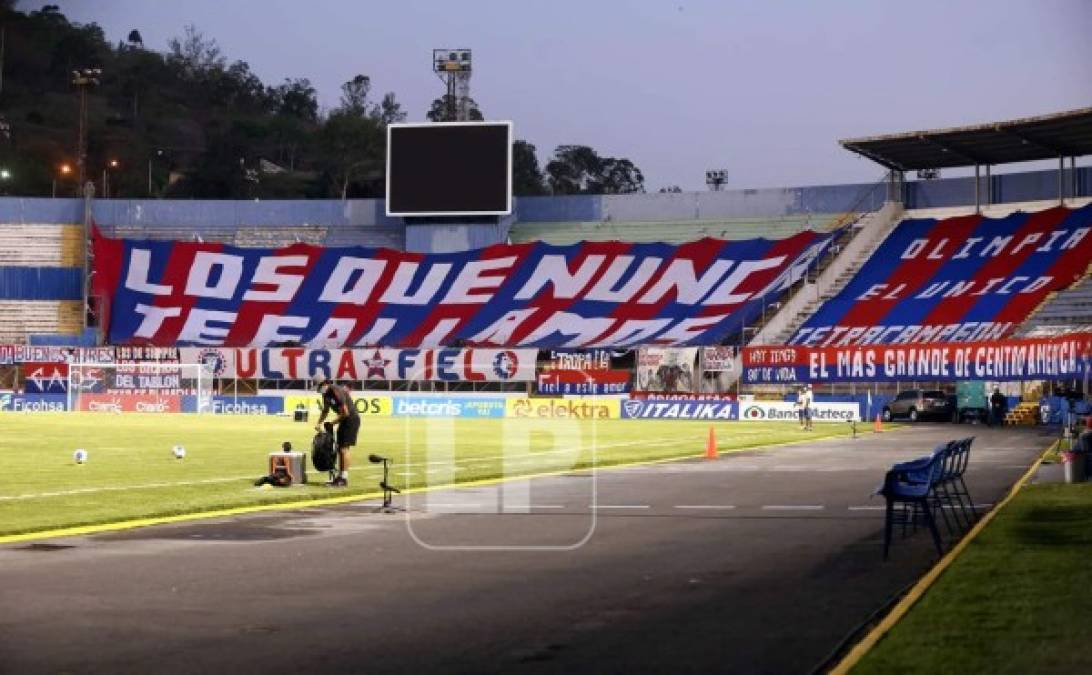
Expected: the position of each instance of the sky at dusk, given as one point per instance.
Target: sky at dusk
(763, 89)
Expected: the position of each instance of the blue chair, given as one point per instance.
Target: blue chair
(955, 480)
(913, 486)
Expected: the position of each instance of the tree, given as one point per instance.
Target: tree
(193, 54)
(573, 170)
(351, 146)
(578, 169)
(620, 177)
(354, 96)
(355, 101)
(390, 110)
(526, 174)
(443, 110)
(295, 98)
(137, 70)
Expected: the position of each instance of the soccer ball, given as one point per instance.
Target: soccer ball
(179, 452)
(80, 456)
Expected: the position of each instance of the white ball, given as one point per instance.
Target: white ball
(80, 456)
(179, 452)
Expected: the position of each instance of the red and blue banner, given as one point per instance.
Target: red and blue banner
(1053, 358)
(606, 294)
(45, 378)
(961, 279)
(297, 363)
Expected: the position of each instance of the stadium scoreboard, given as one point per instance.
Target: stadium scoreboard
(449, 169)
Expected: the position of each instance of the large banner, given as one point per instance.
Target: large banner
(1005, 360)
(522, 295)
(297, 363)
(965, 279)
(667, 370)
(583, 372)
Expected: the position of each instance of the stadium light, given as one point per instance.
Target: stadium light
(5, 174)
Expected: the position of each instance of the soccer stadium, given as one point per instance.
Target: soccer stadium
(462, 428)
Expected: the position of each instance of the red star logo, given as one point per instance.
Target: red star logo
(377, 367)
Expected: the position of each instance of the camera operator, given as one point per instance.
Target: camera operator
(338, 400)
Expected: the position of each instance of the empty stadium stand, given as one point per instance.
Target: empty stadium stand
(359, 222)
(942, 285)
(41, 239)
(24, 318)
(1067, 311)
(672, 232)
(41, 269)
(871, 230)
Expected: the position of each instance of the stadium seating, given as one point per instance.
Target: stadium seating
(23, 318)
(41, 266)
(674, 232)
(931, 275)
(1067, 311)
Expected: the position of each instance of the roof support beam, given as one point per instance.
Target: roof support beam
(947, 147)
(1030, 141)
(883, 161)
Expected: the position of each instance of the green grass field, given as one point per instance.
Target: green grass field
(1018, 599)
(131, 474)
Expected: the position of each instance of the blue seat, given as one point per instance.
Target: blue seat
(954, 478)
(913, 485)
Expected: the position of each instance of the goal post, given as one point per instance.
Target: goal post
(140, 387)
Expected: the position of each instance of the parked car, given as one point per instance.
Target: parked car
(917, 404)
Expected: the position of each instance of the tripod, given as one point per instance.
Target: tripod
(388, 490)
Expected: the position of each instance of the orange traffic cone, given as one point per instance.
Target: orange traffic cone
(879, 424)
(711, 445)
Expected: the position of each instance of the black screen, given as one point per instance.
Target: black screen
(448, 169)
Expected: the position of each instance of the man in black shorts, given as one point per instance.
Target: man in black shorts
(346, 418)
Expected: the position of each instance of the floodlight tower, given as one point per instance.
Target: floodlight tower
(716, 178)
(452, 66)
(88, 77)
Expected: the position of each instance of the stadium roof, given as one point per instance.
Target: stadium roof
(1065, 134)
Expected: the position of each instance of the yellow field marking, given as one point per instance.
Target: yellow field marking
(895, 615)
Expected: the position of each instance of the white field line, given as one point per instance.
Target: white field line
(793, 507)
(459, 465)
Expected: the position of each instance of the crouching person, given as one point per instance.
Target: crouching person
(337, 400)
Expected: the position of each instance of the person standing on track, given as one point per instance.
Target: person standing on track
(809, 401)
(347, 419)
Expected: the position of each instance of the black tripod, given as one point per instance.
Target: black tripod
(388, 490)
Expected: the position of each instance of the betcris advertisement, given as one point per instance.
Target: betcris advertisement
(636, 409)
(436, 406)
(33, 402)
